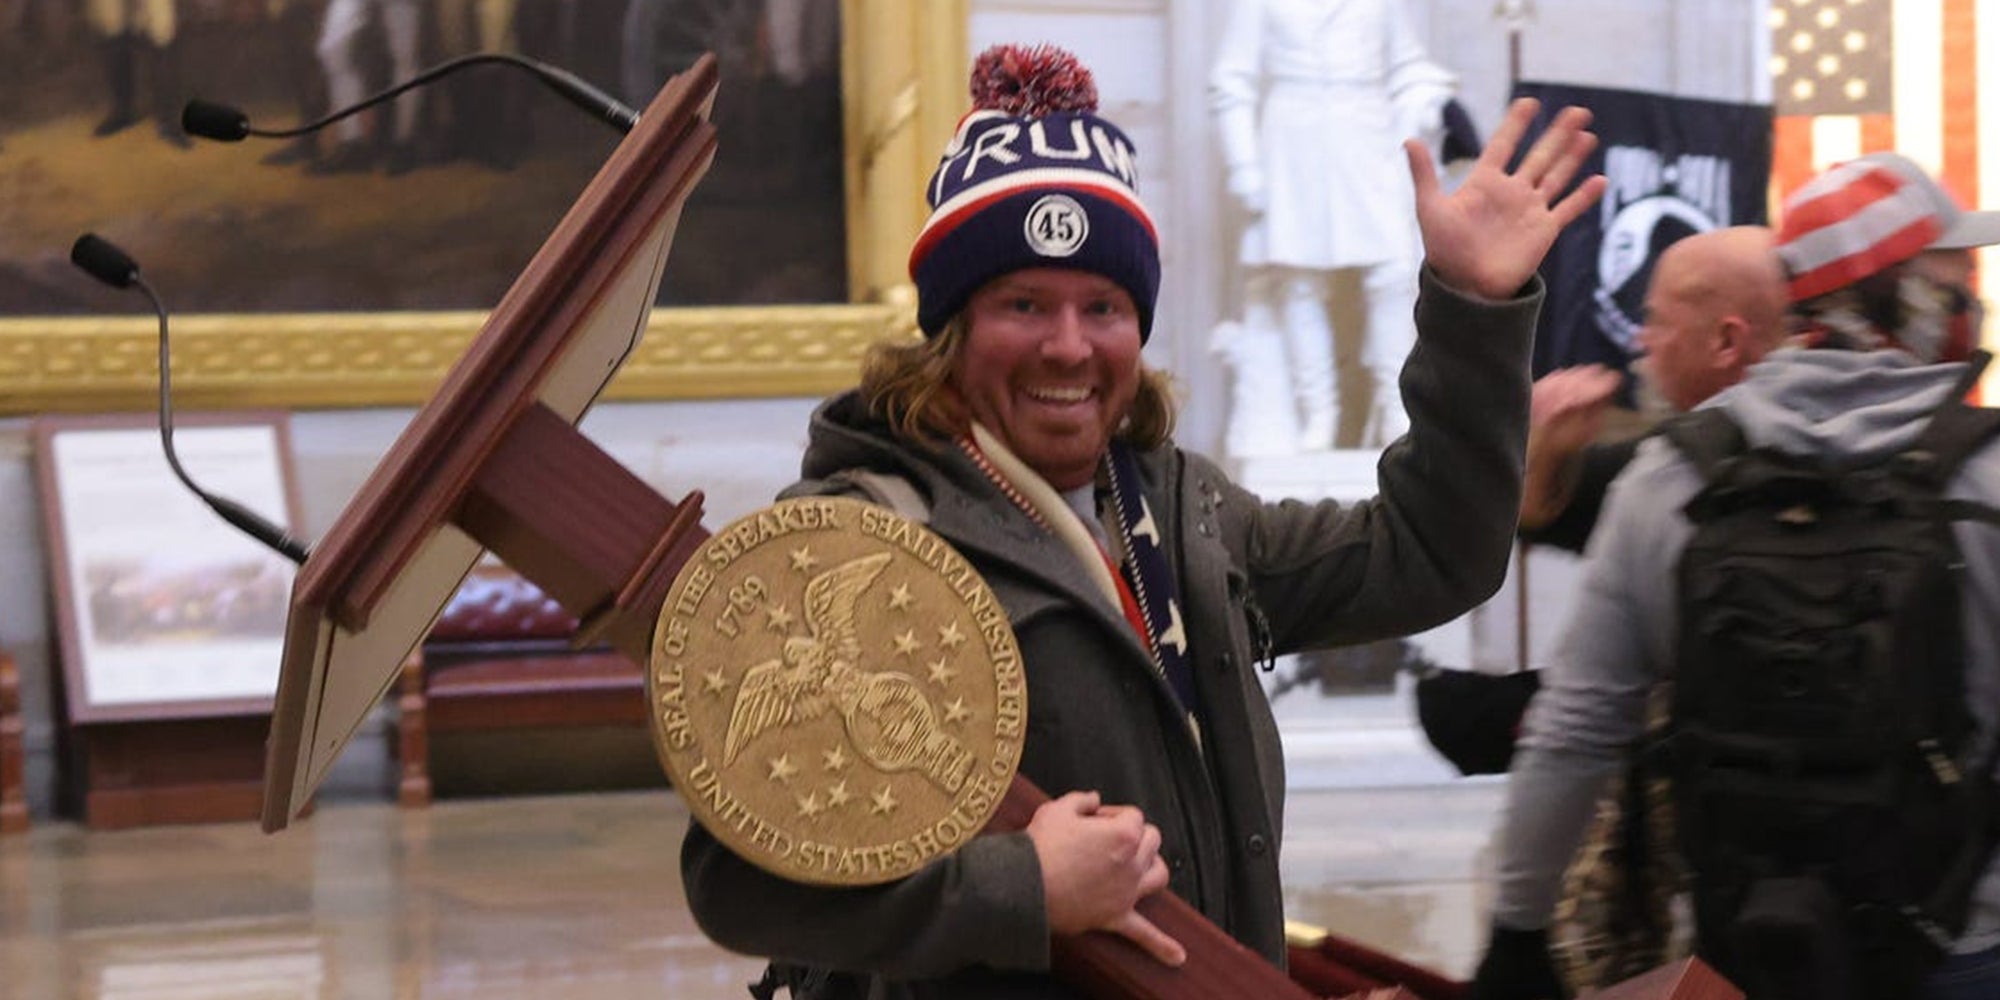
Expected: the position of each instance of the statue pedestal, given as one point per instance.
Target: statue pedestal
(1352, 731)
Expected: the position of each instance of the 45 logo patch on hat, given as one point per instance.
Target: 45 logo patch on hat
(1057, 226)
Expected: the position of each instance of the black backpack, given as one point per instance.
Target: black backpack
(1825, 798)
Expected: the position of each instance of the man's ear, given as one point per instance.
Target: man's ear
(1732, 342)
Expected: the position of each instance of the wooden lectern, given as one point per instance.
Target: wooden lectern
(494, 461)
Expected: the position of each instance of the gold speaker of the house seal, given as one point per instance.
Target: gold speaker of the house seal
(835, 692)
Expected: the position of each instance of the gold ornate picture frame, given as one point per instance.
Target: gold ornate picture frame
(902, 76)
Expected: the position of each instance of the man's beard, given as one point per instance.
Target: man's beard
(1647, 400)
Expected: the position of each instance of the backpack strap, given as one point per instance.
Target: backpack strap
(1975, 366)
(1956, 432)
(1707, 437)
(1958, 428)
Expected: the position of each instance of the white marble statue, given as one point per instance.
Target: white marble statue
(1313, 99)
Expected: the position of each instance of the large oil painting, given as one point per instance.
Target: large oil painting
(433, 202)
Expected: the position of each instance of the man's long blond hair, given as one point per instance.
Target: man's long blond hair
(908, 383)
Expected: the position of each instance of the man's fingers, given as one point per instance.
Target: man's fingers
(1569, 406)
(1592, 377)
(1539, 166)
(1566, 165)
(1080, 803)
(1127, 820)
(1561, 379)
(1579, 201)
(1149, 842)
(1587, 388)
(1422, 174)
(1150, 939)
(1156, 877)
(1570, 387)
(1513, 125)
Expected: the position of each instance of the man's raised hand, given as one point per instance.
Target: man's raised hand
(1488, 236)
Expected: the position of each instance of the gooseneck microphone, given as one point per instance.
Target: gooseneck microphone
(105, 262)
(223, 123)
(115, 267)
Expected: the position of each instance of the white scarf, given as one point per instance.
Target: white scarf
(1059, 516)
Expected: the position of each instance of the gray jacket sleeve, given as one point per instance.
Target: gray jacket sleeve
(1617, 645)
(1436, 538)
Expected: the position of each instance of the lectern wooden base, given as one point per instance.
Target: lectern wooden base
(130, 774)
(1687, 979)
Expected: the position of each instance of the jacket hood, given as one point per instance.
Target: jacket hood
(1847, 407)
(844, 436)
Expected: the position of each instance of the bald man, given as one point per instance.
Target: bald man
(1715, 307)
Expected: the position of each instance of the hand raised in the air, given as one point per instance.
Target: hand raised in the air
(1488, 236)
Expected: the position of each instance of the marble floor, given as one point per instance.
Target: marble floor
(572, 896)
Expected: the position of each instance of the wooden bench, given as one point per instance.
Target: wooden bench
(500, 658)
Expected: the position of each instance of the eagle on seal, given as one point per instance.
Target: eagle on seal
(810, 668)
(884, 714)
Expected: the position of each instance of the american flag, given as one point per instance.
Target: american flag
(1859, 76)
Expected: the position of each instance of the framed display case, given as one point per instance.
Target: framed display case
(170, 622)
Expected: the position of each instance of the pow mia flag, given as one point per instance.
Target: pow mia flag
(1676, 166)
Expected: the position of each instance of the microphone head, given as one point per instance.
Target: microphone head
(214, 121)
(105, 262)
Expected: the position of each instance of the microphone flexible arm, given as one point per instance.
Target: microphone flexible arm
(204, 119)
(229, 510)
